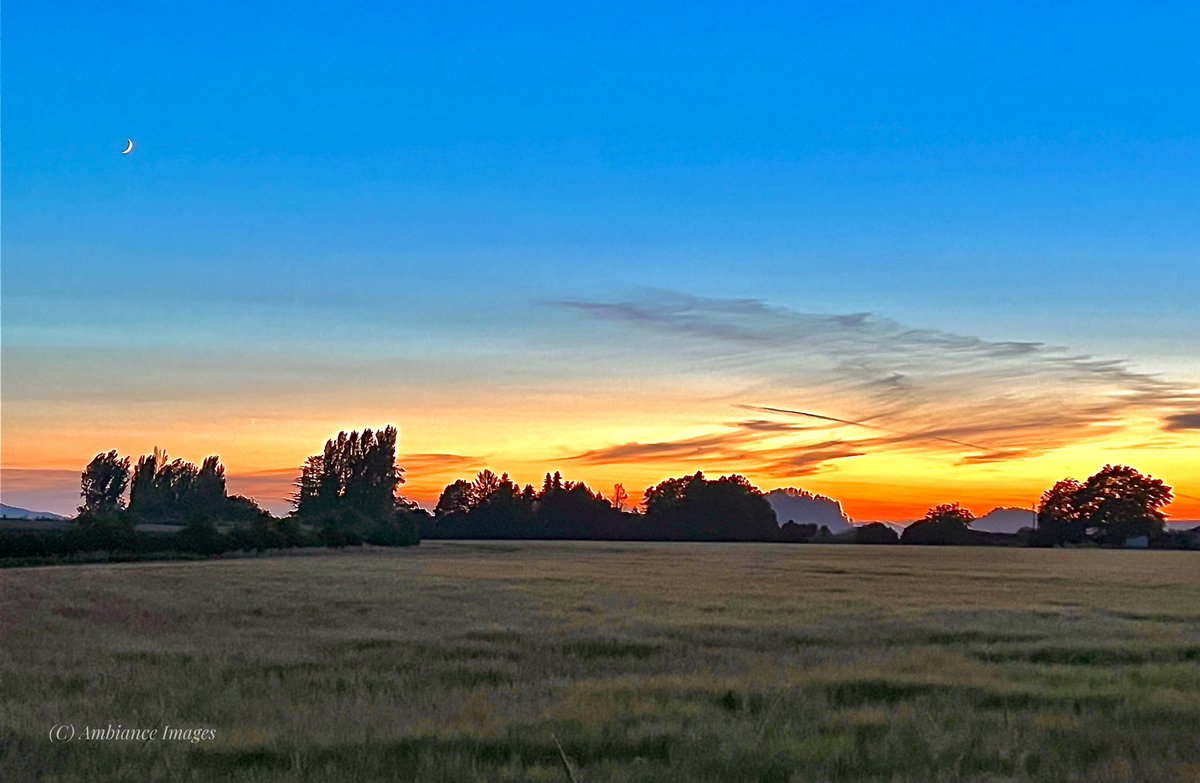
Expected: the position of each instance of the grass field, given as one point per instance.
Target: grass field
(646, 662)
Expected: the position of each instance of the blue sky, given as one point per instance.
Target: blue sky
(862, 156)
(413, 179)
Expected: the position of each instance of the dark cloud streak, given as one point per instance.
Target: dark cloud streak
(1182, 421)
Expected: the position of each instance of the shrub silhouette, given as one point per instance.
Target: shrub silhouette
(875, 533)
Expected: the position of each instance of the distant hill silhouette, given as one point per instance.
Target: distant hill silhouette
(1004, 520)
(16, 512)
(808, 508)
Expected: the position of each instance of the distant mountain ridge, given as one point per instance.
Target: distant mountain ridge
(16, 512)
(1010, 520)
(1004, 520)
(808, 508)
(1183, 524)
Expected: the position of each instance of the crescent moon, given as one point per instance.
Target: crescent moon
(128, 149)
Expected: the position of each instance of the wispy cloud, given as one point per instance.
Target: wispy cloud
(904, 435)
(1182, 421)
(726, 445)
(884, 385)
(737, 447)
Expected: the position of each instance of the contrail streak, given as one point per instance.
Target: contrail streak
(916, 435)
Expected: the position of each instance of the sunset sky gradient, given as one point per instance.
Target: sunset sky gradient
(624, 241)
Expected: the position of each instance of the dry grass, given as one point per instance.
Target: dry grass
(689, 662)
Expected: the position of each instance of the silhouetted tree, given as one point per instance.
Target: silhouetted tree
(455, 499)
(948, 523)
(350, 491)
(355, 472)
(142, 489)
(694, 508)
(500, 510)
(1112, 506)
(307, 499)
(495, 507)
(103, 484)
(239, 508)
(177, 479)
(573, 511)
(950, 513)
(165, 491)
(1059, 518)
(667, 497)
(486, 483)
(178, 491)
(620, 497)
(373, 474)
(161, 491)
(1120, 503)
(208, 488)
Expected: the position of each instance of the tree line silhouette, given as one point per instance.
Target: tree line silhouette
(349, 494)
(161, 492)
(690, 508)
(1115, 505)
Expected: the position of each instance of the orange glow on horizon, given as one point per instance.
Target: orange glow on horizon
(442, 443)
(861, 499)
